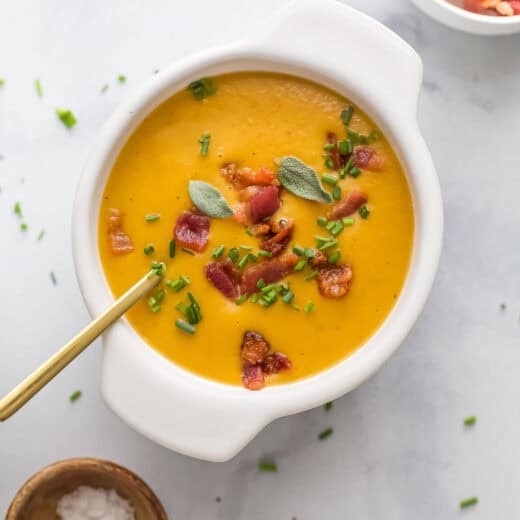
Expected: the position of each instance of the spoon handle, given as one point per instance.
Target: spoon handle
(17, 397)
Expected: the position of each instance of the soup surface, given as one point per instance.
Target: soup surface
(490, 7)
(333, 269)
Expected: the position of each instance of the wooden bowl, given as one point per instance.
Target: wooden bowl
(38, 498)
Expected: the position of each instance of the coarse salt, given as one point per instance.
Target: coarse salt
(87, 503)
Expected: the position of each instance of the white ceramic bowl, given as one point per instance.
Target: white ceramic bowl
(340, 48)
(463, 20)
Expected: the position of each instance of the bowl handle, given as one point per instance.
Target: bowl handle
(341, 42)
(207, 420)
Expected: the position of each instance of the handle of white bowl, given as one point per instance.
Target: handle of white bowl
(341, 42)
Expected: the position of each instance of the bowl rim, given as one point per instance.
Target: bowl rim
(275, 401)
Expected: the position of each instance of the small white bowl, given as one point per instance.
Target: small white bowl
(458, 18)
(343, 49)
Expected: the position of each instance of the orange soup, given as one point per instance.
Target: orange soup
(282, 216)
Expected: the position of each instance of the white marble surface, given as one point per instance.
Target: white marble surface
(399, 450)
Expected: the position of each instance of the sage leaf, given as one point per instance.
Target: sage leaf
(209, 200)
(302, 180)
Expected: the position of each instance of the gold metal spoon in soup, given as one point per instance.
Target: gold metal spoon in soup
(17, 397)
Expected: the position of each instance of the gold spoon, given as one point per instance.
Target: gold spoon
(17, 397)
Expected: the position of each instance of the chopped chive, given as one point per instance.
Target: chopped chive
(204, 143)
(309, 253)
(320, 239)
(241, 299)
(158, 269)
(66, 117)
(344, 147)
(300, 265)
(104, 88)
(159, 297)
(329, 163)
(347, 221)
(265, 253)
(334, 257)
(121, 78)
(329, 146)
(218, 252)
(288, 298)
(311, 276)
(322, 221)
(178, 284)
(325, 433)
(152, 217)
(250, 231)
(243, 261)
(188, 251)
(330, 225)
(233, 254)
(354, 172)
(246, 247)
(41, 234)
(309, 307)
(149, 249)
(75, 396)
(470, 421)
(328, 244)
(364, 212)
(297, 250)
(267, 288)
(2, 82)
(172, 248)
(328, 406)
(252, 258)
(347, 167)
(375, 135)
(336, 193)
(254, 298)
(295, 307)
(18, 209)
(202, 88)
(260, 284)
(337, 228)
(53, 278)
(346, 116)
(23, 226)
(267, 467)
(468, 502)
(155, 308)
(38, 87)
(184, 326)
(327, 178)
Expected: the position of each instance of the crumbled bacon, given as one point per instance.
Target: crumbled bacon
(243, 177)
(349, 204)
(253, 377)
(334, 280)
(270, 271)
(367, 158)
(264, 203)
(254, 348)
(192, 231)
(275, 363)
(224, 276)
(120, 242)
(278, 236)
(319, 258)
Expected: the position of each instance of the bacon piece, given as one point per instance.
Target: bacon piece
(120, 242)
(243, 177)
(334, 280)
(367, 158)
(278, 236)
(349, 204)
(319, 259)
(335, 156)
(192, 231)
(253, 377)
(270, 271)
(224, 276)
(264, 203)
(275, 363)
(254, 348)
(515, 4)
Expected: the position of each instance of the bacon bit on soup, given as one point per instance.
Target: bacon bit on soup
(120, 242)
(270, 271)
(223, 275)
(278, 236)
(254, 348)
(334, 280)
(493, 7)
(276, 363)
(367, 158)
(348, 205)
(243, 177)
(253, 377)
(264, 203)
(192, 231)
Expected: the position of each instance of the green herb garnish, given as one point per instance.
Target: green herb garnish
(354, 172)
(346, 116)
(204, 143)
(337, 228)
(218, 252)
(309, 307)
(347, 221)
(209, 200)
(328, 406)
(18, 209)
(38, 87)
(260, 284)
(104, 88)
(75, 396)
(23, 226)
(322, 221)
(121, 78)
(184, 326)
(152, 217)
(188, 251)
(149, 249)
(267, 254)
(157, 269)
(300, 265)
(297, 250)
(311, 276)
(364, 212)
(336, 193)
(288, 297)
(233, 254)
(470, 421)
(330, 179)
(202, 88)
(267, 467)
(53, 278)
(2, 82)
(41, 234)
(334, 257)
(172, 248)
(66, 117)
(325, 433)
(178, 284)
(468, 502)
(241, 299)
